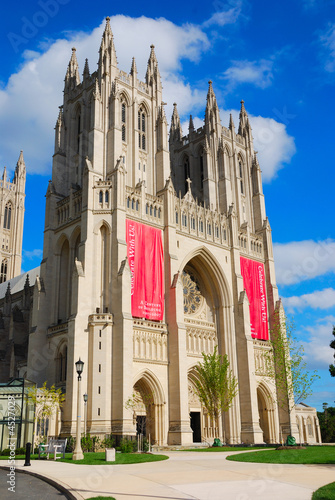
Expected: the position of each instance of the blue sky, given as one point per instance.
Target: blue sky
(278, 56)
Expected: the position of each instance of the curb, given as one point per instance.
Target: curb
(62, 487)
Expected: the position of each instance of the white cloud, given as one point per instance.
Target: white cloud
(274, 145)
(259, 73)
(328, 41)
(320, 299)
(317, 351)
(223, 17)
(29, 102)
(32, 254)
(303, 260)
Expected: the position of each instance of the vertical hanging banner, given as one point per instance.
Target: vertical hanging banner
(145, 257)
(254, 284)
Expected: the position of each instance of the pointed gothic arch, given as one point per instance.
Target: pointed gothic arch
(266, 410)
(150, 395)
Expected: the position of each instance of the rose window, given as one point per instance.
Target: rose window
(191, 292)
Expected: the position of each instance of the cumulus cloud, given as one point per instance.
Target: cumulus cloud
(298, 261)
(328, 41)
(28, 103)
(258, 73)
(320, 299)
(317, 351)
(274, 145)
(31, 254)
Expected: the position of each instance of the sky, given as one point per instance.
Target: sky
(279, 57)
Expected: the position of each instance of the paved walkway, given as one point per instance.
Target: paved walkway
(188, 475)
(28, 487)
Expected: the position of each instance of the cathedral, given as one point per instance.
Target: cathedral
(157, 248)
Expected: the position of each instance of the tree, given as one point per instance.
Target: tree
(285, 362)
(215, 384)
(46, 401)
(332, 345)
(140, 403)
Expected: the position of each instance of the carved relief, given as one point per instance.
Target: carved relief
(151, 346)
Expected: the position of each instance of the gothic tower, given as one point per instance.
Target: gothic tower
(197, 205)
(12, 195)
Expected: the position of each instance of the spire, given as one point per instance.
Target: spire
(86, 72)
(96, 91)
(4, 175)
(133, 70)
(176, 132)
(244, 121)
(72, 78)
(107, 51)
(191, 125)
(20, 170)
(231, 122)
(212, 115)
(152, 74)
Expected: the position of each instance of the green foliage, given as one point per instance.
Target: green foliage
(332, 345)
(108, 441)
(47, 401)
(309, 455)
(327, 492)
(294, 382)
(327, 423)
(127, 445)
(70, 445)
(90, 443)
(215, 384)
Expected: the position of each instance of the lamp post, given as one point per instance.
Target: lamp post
(78, 452)
(85, 413)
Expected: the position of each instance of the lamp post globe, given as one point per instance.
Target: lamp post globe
(78, 452)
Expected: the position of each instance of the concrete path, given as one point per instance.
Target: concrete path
(188, 475)
(27, 487)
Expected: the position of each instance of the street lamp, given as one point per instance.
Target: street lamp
(78, 452)
(85, 413)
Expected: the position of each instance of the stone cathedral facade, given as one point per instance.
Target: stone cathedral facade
(115, 163)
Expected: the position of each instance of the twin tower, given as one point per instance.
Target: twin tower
(152, 244)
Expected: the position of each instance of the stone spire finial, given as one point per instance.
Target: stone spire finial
(86, 72)
(231, 122)
(72, 78)
(191, 124)
(133, 70)
(176, 132)
(152, 74)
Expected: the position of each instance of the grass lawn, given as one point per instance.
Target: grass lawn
(101, 498)
(310, 455)
(224, 448)
(99, 458)
(325, 493)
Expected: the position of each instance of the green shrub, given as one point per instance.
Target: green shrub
(127, 445)
(21, 451)
(70, 445)
(5, 452)
(108, 441)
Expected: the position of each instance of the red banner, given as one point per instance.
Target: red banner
(145, 256)
(255, 286)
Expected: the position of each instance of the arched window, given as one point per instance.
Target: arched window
(142, 129)
(8, 216)
(106, 197)
(202, 169)
(3, 273)
(241, 176)
(78, 132)
(186, 172)
(100, 197)
(123, 121)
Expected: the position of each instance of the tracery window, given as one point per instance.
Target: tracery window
(123, 120)
(8, 216)
(142, 129)
(241, 176)
(193, 298)
(186, 172)
(3, 273)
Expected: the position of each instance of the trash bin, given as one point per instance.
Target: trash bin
(110, 454)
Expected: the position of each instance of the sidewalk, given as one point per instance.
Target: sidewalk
(187, 475)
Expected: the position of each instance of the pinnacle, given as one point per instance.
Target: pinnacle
(231, 122)
(242, 107)
(86, 71)
(20, 161)
(133, 70)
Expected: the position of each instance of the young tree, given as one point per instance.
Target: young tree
(215, 384)
(139, 403)
(332, 345)
(293, 381)
(47, 401)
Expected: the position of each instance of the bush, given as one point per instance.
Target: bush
(20, 451)
(71, 444)
(127, 445)
(5, 452)
(108, 441)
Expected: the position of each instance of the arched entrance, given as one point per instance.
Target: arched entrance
(148, 404)
(266, 414)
